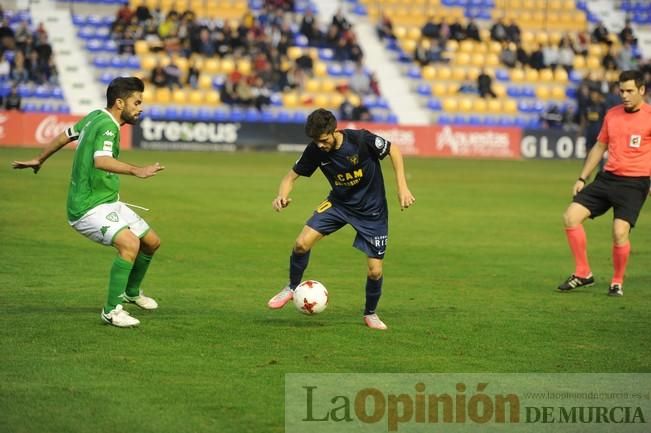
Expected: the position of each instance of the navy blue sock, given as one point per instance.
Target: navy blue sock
(373, 293)
(297, 265)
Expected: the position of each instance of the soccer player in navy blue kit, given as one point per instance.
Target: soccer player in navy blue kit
(350, 160)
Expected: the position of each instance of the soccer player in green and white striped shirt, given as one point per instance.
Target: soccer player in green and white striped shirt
(94, 207)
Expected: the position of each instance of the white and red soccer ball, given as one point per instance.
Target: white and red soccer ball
(311, 297)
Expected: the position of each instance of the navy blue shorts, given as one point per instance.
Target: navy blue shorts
(372, 231)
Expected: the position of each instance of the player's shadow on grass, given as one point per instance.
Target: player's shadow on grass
(297, 322)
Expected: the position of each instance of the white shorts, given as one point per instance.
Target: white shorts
(103, 222)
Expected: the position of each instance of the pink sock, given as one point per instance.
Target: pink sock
(620, 258)
(578, 245)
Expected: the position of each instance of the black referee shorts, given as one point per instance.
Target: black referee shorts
(624, 194)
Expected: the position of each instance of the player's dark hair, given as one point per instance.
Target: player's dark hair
(122, 88)
(632, 76)
(319, 122)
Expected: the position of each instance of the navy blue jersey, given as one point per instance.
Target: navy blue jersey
(353, 171)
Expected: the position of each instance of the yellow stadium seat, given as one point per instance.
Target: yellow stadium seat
(244, 66)
(399, 32)
(163, 95)
(451, 45)
(212, 98)
(439, 89)
(336, 99)
(472, 73)
(227, 66)
(542, 92)
(141, 47)
(148, 62)
(558, 93)
(545, 75)
(531, 75)
(593, 62)
(596, 50)
(294, 52)
(517, 75)
(328, 85)
(413, 33)
(492, 60)
(458, 74)
(211, 66)
(195, 97)
(500, 90)
(321, 100)
(479, 105)
(542, 38)
(290, 100)
(312, 85)
(443, 73)
(320, 69)
(148, 96)
(579, 62)
(408, 45)
(509, 106)
(450, 105)
(465, 105)
(205, 81)
(494, 106)
(560, 76)
(428, 72)
(477, 59)
(179, 96)
(467, 46)
(462, 59)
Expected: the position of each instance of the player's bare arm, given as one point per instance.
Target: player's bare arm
(405, 197)
(112, 165)
(595, 155)
(35, 164)
(282, 200)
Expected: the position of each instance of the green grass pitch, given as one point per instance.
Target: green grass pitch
(469, 287)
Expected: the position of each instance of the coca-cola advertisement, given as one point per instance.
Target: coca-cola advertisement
(36, 130)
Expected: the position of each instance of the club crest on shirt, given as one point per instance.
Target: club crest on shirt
(113, 216)
(635, 141)
(354, 159)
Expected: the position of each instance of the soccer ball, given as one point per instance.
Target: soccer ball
(311, 297)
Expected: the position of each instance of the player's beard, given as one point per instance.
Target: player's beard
(130, 119)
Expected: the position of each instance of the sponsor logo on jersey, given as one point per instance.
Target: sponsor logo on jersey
(113, 216)
(349, 179)
(108, 145)
(354, 159)
(635, 141)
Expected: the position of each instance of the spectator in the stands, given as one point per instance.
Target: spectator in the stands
(508, 56)
(485, 85)
(428, 51)
(566, 55)
(7, 36)
(513, 32)
(385, 27)
(600, 33)
(309, 27)
(457, 32)
(498, 31)
(35, 68)
(305, 62)
(192, 78)
(537, 58)
(521, 56)
(608, 61)
(125, 13)
(627, 34)
(431, 29)
(143, 14)
(22, 33)
(204, 45)
(172, 75)
(355, 53)
(43, 48)
(360, 82)
(580, 42)
(339, 20)
(5, 67)
(346, 110)
(472, 31)
(158, 77)
(550, 56)
(626, 59)
(19, 72)
(13, 101)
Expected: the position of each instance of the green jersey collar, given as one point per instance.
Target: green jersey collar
(111, 116)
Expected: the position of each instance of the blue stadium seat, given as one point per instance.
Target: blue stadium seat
(414, 72)
(57, 93)
(434, 104)
(25, 90)
(30, 107)
(43, 91)
(267, 116)
(205, 114)
(133, 62)
(173, 113)
(188, 113)
(444, 119)
(502, 75)
(63, 109)
(94, 45)
(101, 62)
(156, 112)
(252, 115)
(326, 54)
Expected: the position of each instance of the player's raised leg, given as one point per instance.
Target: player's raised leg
(149, 243)
(128, 246)
(373, 293)
(576, 238)
(298, 262)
